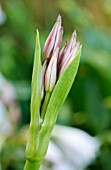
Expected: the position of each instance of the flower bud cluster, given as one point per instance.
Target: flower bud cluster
(55, 61)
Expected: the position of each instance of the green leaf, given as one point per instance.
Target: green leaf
(31, 147)
(58, 97)
(36, 79)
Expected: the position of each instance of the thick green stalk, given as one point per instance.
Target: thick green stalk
(32, 165)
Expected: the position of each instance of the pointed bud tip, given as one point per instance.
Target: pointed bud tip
(59, 18)
(74, 34)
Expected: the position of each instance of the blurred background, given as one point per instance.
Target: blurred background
(88, 106)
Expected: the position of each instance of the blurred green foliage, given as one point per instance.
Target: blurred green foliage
(89, 103)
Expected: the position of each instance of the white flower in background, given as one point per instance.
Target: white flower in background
(7, 91)
(5, 125)
(2, 16)
(72, 149)
(9, 112)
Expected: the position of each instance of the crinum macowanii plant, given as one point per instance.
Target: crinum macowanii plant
(52, 78)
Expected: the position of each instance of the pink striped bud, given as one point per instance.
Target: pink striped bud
(61, 54)
(70, 57)
(54, 39)
(69, 48)
(51, 72)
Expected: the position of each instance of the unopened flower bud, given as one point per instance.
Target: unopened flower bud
(71, 56)
(61, 55)
(55, 61)
(70, 47)
(54, 40)
(51, 72)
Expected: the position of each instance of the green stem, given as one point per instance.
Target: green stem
(44, 107)
(32, 165)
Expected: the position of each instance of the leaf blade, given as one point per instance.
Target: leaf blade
(31, 147)
(36, 78)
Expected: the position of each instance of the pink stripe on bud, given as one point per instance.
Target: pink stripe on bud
(71, 56)
(61, 54)
(58, 39)
(63, 50)
(54, 39)
(51, 72)
(69, 48)
(73, 40)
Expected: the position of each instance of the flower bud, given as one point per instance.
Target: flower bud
(69, 48)
(61, 54)
(54, 40)
(55, 60)
(51, 72)
(70, 57)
